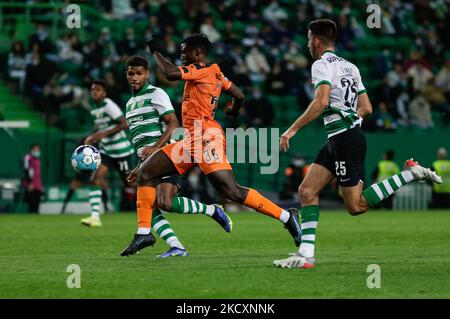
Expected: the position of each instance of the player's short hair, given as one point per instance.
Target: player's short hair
(101, 83)
(198, 41)
(325, 29)
(137, 60)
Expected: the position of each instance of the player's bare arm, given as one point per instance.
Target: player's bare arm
(169, 69)
(97, 136)
(364, 107)
(232, 109)
(315, 108)
(172, 123)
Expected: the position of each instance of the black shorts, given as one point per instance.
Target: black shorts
(343, 155)
(83, 177)
(122, 165)
(172, 179)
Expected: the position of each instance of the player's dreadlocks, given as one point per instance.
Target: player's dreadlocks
(198, 41)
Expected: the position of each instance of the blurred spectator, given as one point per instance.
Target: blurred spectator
(420, 75)
(382, 63)
(435, 96)
(41, 38)
(416, 58)
(292, 78)
(251, 34)
(294, 56)
(277, 82)
(32, 183)
(209, 29)
(443, 78)
(165, 16)
(17, 63)
(385, 169)
(108, 48)
(122, 9)
(257, 64)
(293, 176)
(383, 120)
(398, 87)
(66, 50)
(62, 92)
(153, 29)
(345, 35)
(141, 10)
(129, 45)
(441, 192)
(259, 111)
(37, 74)
(274, 12)
(92, 59)
(420, 111)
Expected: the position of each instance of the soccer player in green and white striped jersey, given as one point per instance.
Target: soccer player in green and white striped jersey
(342, 100)
(151, 120)
(116, 149)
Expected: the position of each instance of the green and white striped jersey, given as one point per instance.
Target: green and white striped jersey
(144, 114)
(346, 85)
(106, 117)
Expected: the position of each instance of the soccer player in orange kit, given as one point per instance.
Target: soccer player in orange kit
(204, 142)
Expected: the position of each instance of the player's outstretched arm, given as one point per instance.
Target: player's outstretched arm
(94, 138)
(238, 96)
(364, 107)
(315, 108)
(169, 69)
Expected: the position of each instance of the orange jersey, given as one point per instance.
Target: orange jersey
(204, 83)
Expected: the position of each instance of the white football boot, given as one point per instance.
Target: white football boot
(295, 261)
(91, 221)
(421, 173)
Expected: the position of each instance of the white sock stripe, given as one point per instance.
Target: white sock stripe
(174, 242)
(95, 215)
(165, 232)
(306, 250)
(309, 237)
(309, 225)
(210, 209)
(388, 187)
(186, 206)
(95, 193)
(194, 207)
(407, 176)
(95, 200)
(397, 180)
(159, 224)
(378, 191)
(143, 231)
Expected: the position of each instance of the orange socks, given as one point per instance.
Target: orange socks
(258, 202)
(146, 197)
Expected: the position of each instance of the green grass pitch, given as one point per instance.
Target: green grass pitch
(412, 249)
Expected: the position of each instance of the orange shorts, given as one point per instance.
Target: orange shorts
(209, 153)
